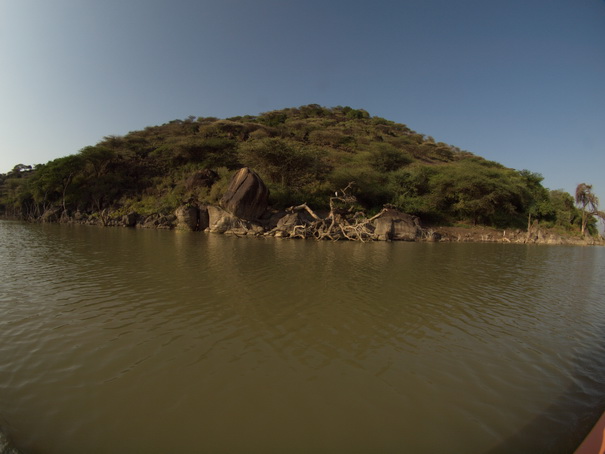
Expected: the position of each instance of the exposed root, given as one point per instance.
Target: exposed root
(340, 223)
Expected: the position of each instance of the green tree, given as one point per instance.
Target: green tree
(97, 159)
(370, 186)
(566, 215)
(284, 161)
(476, 191)
(410, 187)
(53, 180)
(211, 152)
(384, 157)
(536, 199)
(101, 180)
(18, 170)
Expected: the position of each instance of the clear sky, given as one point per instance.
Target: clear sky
(521, 82)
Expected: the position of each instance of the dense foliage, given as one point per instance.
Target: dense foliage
(304, 154)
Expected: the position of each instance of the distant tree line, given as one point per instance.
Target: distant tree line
(304, 154)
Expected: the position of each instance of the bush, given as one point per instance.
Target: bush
(369, 185)
(386, 158)
(284, 161)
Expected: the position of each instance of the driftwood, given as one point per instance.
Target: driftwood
(340, 223)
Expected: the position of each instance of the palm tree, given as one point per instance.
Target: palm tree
(588, 203)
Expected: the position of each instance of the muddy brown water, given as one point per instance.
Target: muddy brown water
(118, 340)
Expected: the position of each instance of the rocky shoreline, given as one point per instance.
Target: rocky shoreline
(243, 211)
(213, 219)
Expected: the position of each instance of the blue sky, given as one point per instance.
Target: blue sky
(521, 82)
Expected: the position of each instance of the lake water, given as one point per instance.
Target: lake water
(124, 341)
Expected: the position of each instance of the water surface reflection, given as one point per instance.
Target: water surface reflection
(115, 340)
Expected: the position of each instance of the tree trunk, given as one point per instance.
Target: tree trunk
(65, 186)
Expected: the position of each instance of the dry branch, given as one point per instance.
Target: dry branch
(304, 207)
(342, 222)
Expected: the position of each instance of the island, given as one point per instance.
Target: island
(306, 172)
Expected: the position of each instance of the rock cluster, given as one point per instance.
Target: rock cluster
(394, 225)
(187, 217)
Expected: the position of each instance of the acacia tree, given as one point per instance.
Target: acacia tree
(54, 178)
(102, 181)
(284, 161)
(536, 198)
(97, 159)
(588, 203)
(476, 191)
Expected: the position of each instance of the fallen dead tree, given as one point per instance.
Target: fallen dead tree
(341, 223)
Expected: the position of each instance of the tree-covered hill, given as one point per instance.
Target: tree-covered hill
(304, 154)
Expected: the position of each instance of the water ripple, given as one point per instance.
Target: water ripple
(379, 347)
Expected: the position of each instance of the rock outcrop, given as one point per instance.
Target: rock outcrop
(286, 224)
(158, 221)
(393, 225)
(187, 217)
(221, 221)
(247, 196)
(204, 219)
(130, 219)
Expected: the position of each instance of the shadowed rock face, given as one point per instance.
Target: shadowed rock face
(286, 224)
(220, 221)
(397, 226)
(247, 196)
(187, 217)
(130, 219)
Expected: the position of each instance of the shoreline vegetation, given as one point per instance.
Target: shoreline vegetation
(441, 234)
(307, 172)
(340, 223)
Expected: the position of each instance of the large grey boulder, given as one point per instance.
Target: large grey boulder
(204, 220)
(397, 226)
(158, 221)
(247, 196)
(285, 224)
(130, 219)
(187, 217)
(221, 221)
